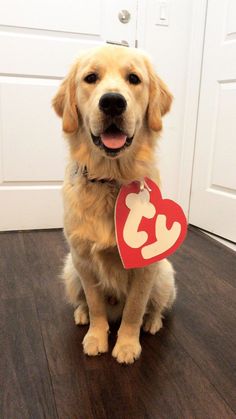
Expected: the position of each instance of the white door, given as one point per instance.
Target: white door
(213, 195)
(39, 39)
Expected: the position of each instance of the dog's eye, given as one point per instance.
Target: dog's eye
(91, 78)
(134, 79)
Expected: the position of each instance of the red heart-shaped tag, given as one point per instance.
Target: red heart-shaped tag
(148, 228)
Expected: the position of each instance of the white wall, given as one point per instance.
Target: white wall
(169, 48)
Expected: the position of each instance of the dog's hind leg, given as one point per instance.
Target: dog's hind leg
(74, 291)
(162, 297)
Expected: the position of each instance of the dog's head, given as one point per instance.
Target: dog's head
(110, 95)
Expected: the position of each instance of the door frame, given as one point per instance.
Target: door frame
(194, 72)
(193, 85)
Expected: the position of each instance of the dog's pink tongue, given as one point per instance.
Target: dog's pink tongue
(113, 140)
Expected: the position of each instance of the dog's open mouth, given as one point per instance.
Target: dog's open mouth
(112, 140)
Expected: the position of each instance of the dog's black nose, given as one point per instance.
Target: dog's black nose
(112, 104)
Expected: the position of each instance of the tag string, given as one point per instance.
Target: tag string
(143, 184)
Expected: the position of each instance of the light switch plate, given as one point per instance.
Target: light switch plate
(162, 13)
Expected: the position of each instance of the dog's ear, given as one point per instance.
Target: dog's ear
(160, 100)
(64, 102)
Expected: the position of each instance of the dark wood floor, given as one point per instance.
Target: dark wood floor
(188, 370)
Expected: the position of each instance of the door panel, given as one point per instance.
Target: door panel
(38, 43)
(30, 135)
(230, 27)
(30, 207)
(40, 54)
(57, 15)
(225, 142)
(213, 196)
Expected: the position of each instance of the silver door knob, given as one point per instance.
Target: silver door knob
(124, 16)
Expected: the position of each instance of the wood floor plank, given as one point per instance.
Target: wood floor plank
(184, 371)
(165, 382)
(26, 390)
(181, 385)
(205, 316)
(15, 280)
(219, 258)
(212, 292)
(200, 335)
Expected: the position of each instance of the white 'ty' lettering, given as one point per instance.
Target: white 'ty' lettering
(165, 238)
(140, 206)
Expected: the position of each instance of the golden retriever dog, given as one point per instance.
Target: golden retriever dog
(111, 104)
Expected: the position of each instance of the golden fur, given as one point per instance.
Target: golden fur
(93, 274)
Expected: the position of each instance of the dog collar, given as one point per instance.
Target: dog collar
(95, 180)
(84, 172)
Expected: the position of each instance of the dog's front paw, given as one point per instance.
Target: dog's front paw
(127, 350)
(95, 342)
(152, 324)
(81, 315)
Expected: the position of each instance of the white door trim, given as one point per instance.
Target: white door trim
(196, 46)
(196, 50)
(141, 23)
